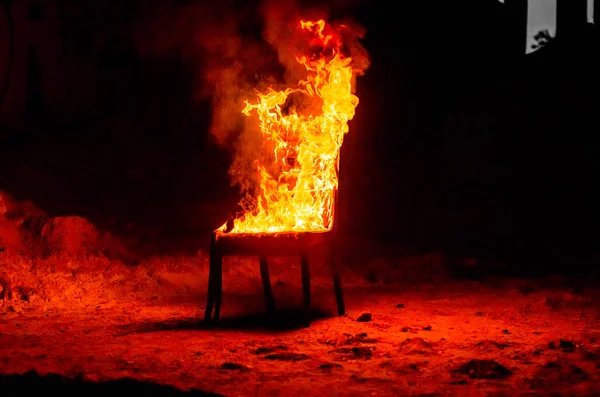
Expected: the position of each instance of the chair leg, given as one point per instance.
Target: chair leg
(304, 263)
(210, 296)
(218, 285)
(337, 283)
(266, 281)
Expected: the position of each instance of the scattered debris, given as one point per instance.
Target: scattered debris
(487, 344)
(328, 342)
(266, 350)
(234, 367)
(559, 372)
(286, 356)
(364, 318)
(519, 356)
(357, 352)
(364, 338)
(330, 366)
(349, 339)
(564, 345)
(484, 369)
(402, 369)
(416, 346)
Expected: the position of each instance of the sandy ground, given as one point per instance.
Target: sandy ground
(456, 338)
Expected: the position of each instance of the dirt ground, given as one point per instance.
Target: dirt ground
(458, 338)
(80, 314)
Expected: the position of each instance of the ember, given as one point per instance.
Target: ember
(298, 169)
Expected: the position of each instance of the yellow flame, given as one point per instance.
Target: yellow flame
(299, 171)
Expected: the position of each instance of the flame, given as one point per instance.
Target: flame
(298, 170)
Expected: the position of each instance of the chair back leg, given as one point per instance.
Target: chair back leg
(305, 267)
(266, 282)
(211, 293)
(337, 284)
(218, 284)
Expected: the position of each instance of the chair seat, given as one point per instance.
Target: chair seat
(280, 244)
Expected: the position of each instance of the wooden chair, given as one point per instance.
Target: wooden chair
(285, 244)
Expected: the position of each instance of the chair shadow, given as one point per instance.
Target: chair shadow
(281, 321)
(33, 384)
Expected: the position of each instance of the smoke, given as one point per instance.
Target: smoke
(237, 48)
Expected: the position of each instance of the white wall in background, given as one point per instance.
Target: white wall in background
(542, 15)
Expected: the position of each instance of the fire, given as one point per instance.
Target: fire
(298, 169)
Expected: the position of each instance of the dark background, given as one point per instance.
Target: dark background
(460, 144)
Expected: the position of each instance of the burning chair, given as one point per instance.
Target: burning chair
(301, 244)
(292, 210)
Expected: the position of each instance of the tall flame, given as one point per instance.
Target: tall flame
(298, 170)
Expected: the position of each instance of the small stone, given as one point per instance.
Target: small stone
(400, 306)
(356, 352)
(536, 332)
(234, 367)
(364, 318)
(427, 328)
(405, 329)
(566, 346)
(506, 332)
(593, 340)
(552, 346)
(267, 350)
(484, 369)
(330, 366)
(11, 309)
(479, 314)
(538, 352)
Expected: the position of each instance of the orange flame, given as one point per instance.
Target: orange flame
(299, 169)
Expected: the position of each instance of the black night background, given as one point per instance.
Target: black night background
(467, 160)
